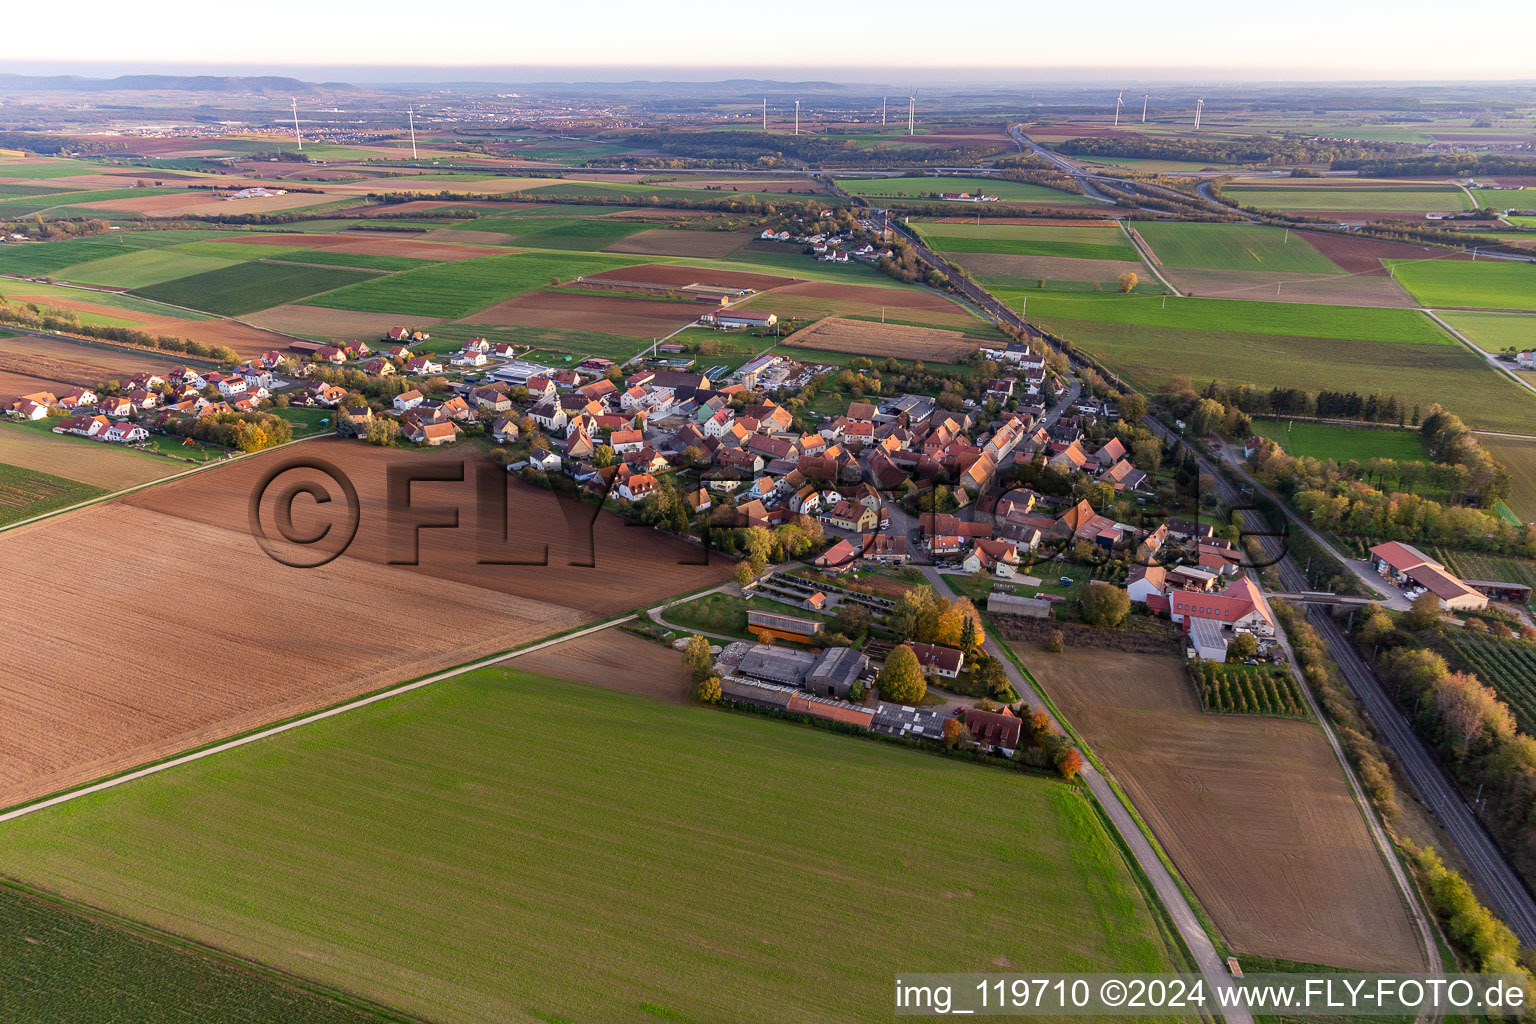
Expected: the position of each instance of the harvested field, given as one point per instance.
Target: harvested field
(814, 299)
(452, 235)
(1026, 271)
(1357, 255)
(1518, 456)
(246, 340)
(318, 321)
(615, 660)
(1254, 812)
(680, 274)
(609, 314)
(867, 338)
(673, 242)
(183, 203)
(79, 365)
(108, 466)
(299, 240)
(1347, 290)
(76, 717)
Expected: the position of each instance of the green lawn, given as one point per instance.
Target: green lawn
(1090, 242)
(143, 268)
(1330, 441)
(1346, 323)
(25, 493)
(458, 289)
(1493, 284)
(1420, 199)
(925, 187)
(506, 847)
(57, 964)
(247, 287)
(1234, 247)
(1504, 198)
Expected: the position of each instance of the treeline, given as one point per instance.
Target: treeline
(1255, 150)
(39, 230)
(242, 431)
(774, 149)
(1342, 405)
(63, 321)
(1439, 165)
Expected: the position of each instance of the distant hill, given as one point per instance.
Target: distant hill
(167, 83)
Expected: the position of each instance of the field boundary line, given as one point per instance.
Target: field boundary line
(1147, 256)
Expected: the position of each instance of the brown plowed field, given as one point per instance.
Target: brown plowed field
(80, 365)
(102, 674)
(108, 466)
(681, 274)
(1027, 270)
(876, 340)
(335, 323)
(638, 318)
(675, 242)
(1359, 290)
(469, 237)
(616, 660)
(815, 299)
(189, 202)
(1359, 255)
(1255, 812)
(246, 340)
(14, 384)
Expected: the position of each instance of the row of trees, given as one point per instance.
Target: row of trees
(1257, 149)
(242, 431)
(63, 321)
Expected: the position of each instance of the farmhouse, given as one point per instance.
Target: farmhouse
(941, 661)
(739, 318)
(996, 731)
(1409, 567)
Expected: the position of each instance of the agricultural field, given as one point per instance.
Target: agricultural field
(603, 313)
(110, 467)
(1342, 443)
(878, 341)
(79, 364)
(458, 289)
(1504, 199)
(1418, 199)
(1494, 332)
(1090, 242)
(1254, 811)
(585, 235)
(926, 187)
(143, 268)
(247, 287)
(1248, 690)
(25, 493)
(1508, 665)
(1478, 565)
(1518, 455)
(1490, 284)
(1234, 247)
(812, 300)
(614, 660)
(321, 852)
(673, 242)
(36, 259)
(60, 963)
(75, 718)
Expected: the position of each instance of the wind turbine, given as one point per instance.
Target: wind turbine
(797, 117)
(911, 115)
(883, 102)
(410, 112)
(1199, 106)
(765, 113)
(296, 134)
(1144, 97)
(1119, 102)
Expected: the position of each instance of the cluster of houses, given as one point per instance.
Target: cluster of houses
(831, 248)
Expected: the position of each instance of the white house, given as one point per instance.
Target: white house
(467, 358)
(126, 433)
(546, 460)
(408, 400)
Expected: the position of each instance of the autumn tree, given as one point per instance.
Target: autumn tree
(696, 657)
(952, 624)
(1104, 604)
(602, 456)
(707, 690)
(1054, 643)
(745, 572)
(1242, 647)
(1069, 762)
(852, 619)
(955, 733)
(1424, 614)
(1127, 281)
(901, 679)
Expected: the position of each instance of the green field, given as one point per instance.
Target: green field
(1504, 198)
(561, 345)
(577, 189)
(458, 289)
(361, 261)
(1234, 247)
(1519, 457)
(42, 258)
(1092, 242)
(1495, 332)
(10, 190)
(117, 300)
(1152, 357)
(921, 188)
(46, 168)
(57, 964)
(1331, 441)
(1491, 284)
(489, 847)
(1346, 323)
(585, 235)
(1421, 199)
(247, 287)
(25, 493)
(143, 268)
(1507, 665)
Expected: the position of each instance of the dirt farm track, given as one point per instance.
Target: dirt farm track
(214, 638)
(1255, 812)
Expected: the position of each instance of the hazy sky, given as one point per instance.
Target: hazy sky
(1299, 39)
